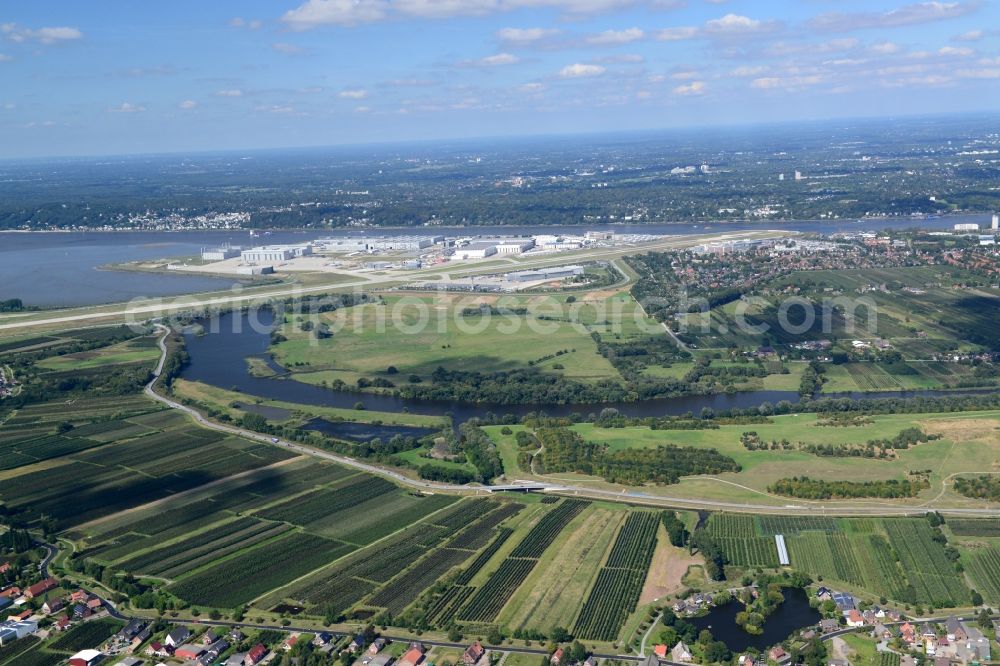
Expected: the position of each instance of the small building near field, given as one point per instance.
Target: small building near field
(86, 658)
(41, 588)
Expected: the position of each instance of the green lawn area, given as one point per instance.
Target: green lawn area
(970, 442)
(413, 456)
(419, 333)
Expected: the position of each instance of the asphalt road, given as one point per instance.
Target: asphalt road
(631, 496)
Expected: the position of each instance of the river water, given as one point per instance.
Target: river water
(50, 269)
(219, 358)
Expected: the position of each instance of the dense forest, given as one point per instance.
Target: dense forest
(815, 489)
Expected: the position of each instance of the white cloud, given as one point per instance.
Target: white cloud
(525, 35)
(691, 89)
(745, 71)
(253, 24)
(5, 58)
(232, 92)
(956, 51)
(580, 70)
(685, 75)
(913, 14)
(51, 35)
(286, 48)
(886, 48)
(127, 107)
(736, 24)
(362, 109)
(353, 93)
(498, 60)
(315, 13)
(188, 104)
(970, 36)
(614, 37)
(676, 34)
(982, 73)
(786, 82)
(531, 87)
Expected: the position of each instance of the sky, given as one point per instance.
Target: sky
(140, 76)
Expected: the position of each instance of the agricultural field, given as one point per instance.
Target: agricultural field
(619, 583)
(176, 456)
(983, 567)
(138, 350)
(976, 433)
(417, 333)
(898, 558)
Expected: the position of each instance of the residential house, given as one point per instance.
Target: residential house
(412, 657)
(11, 592)
(590, 661)
(209, 637)
(473, 654)
(53, 606)
(235, 635)
(213, 651)
(826, 625)
(778, 654)
(681, 653)
(854, 618)
(80, 612)
(290, 642)
(255, 655)
(661, 651)
(954, 629)
(323, 638)
(824, 593)
(132, 629)
(79, 596)
(177, 637)
(882, 632)
(376, 645)
(94, 604)
(383, 659)
(158, 649)
(844, 601)
(40, 588)
(63, 623)
(556, 657)
(356, 643)
(908, 633)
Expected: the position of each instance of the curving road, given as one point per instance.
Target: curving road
(625, 495)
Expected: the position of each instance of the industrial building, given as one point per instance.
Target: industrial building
(221, 253)
(378, 243)
(554, 273)
(959, 228)
(515, 245)
(477, 250)
(11, 631)
(996, 222)
(273, 253)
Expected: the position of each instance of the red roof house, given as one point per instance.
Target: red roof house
(41, 588)
(412, 657)
(255, 655)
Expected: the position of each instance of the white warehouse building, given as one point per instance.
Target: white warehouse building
(271, 253)
(220, 253)
(515, 245)
(479, 250)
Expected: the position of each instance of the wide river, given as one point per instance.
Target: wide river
(63, 269)
(219, 359)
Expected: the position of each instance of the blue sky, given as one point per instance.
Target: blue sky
(104, 77)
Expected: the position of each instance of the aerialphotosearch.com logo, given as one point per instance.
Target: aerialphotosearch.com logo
(441, 312)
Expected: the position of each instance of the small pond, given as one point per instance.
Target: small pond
(794, 614)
